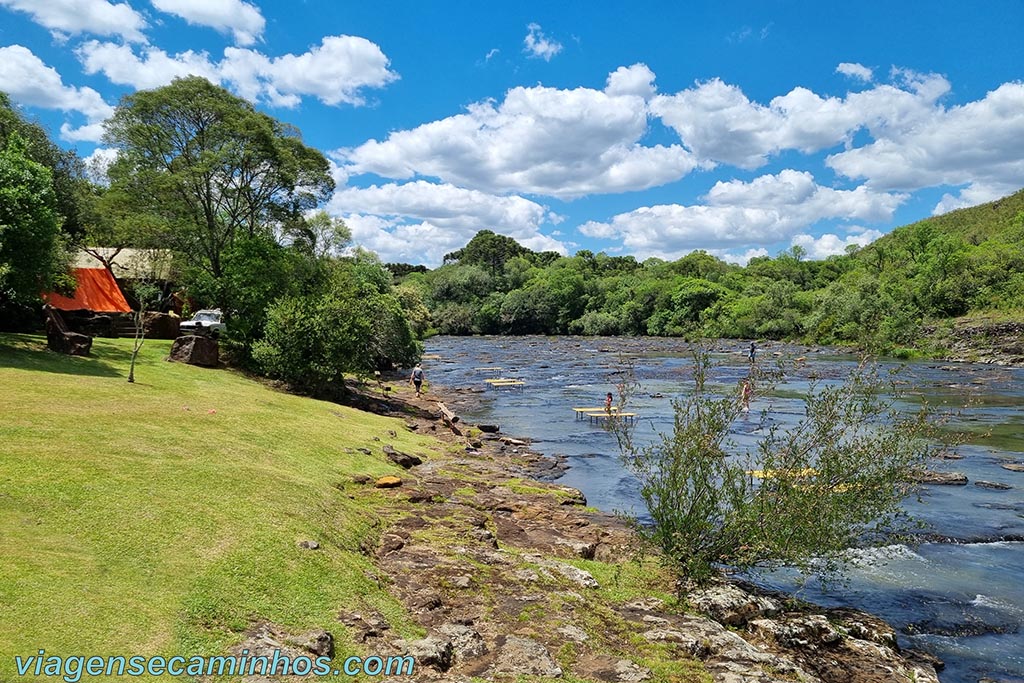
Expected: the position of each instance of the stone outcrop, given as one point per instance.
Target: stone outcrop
(196, 350)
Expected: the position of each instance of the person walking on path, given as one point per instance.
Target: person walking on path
(416, 379)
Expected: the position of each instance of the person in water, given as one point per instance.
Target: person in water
(753, 352)
(608, 402)
(745, 393)
(416, 379)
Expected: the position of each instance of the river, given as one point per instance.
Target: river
(962, 599)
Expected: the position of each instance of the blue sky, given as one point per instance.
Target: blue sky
(651, 129)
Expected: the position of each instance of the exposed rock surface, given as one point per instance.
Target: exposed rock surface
(512, 579)
(982, 341)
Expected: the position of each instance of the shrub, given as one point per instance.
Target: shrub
(833, 481)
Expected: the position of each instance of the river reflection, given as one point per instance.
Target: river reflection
(961, 600)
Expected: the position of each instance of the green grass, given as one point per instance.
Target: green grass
(163, 517)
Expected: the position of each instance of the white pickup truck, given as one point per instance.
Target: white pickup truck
(208, 321)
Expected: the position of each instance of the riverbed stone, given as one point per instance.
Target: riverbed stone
(994, 485)
(1013, 466)
(940, 478)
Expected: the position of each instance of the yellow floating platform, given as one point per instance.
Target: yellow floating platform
(497, 380)
(602, 414)
(489, 368)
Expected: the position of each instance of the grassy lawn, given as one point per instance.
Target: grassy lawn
(163, 517)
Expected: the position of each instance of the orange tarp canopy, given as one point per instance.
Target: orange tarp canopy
(96, 291)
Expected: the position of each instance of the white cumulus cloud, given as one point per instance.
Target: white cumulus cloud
(538, 140)
(73, 17)
(719, 123)
(419, 222)
(637, 79)
(829, 244)
(536, 44)
(854, 70)
(31, 82)
(980, 142)
(761, 212)
(335, 72)
(241, 19)
(150, 68)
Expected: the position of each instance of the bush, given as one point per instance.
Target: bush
(834, 481)
(311, 342)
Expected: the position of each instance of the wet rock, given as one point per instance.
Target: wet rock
(995, 485)
(1013, 466)
(940, 478)
(864, 626)
(388, 482)
(731, 605)
(525, 657)
(489, 429)
(404, 460)
(434, 652)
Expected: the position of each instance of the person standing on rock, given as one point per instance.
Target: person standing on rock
(753, 352)
(416, 379)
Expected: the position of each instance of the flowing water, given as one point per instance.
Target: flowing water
(959, 596)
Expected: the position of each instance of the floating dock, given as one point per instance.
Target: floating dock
(602, 413)
(506, 382)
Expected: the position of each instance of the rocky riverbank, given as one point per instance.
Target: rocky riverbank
(514, 578)
(980, 340)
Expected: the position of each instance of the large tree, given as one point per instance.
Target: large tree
(32, 257)
(211, 169)
(71, 189)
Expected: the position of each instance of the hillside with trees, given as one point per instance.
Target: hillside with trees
(879, 297)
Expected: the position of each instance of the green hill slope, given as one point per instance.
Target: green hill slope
(164, 517)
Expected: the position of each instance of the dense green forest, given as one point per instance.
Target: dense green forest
(876, 297)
